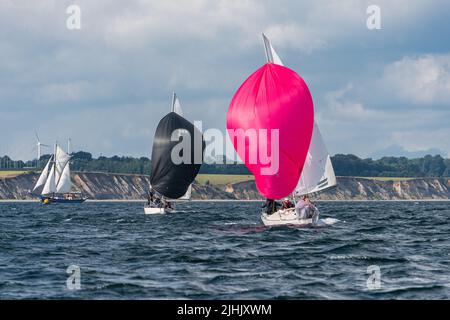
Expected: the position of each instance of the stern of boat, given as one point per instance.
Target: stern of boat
(284, 217)
(155, 210)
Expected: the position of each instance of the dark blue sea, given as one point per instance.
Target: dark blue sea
(221, 250)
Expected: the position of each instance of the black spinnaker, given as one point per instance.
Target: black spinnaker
(168, 178)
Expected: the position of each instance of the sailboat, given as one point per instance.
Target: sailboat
(317, 174)
(54, 184)
(171, 179)
(316, 170)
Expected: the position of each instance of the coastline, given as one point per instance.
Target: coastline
(133, 188)
(226, 200)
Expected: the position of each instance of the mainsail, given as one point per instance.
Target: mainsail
(169, 177)
(318, 173)
(176, 106)
(271, 54)
(64, 184)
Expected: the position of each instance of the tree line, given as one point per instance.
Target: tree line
(344, 165)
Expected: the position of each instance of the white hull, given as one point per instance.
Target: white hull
(156, 210)
(286, 217)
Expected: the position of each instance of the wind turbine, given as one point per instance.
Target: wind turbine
(39, 145)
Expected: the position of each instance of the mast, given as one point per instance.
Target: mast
(54, 155)
(68, 145)
(54, 163)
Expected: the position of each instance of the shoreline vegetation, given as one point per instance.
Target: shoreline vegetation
(214, 179)
(347, 165)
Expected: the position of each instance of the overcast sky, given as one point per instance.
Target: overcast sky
(107, 85)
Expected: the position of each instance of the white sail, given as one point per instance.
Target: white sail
(61, 159)
(50, 185)
(43, 177)
(271, 54)
(318, 173)
(64, 184)
(176, 106)
(187, 195)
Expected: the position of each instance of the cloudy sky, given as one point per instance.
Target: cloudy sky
(107, 85)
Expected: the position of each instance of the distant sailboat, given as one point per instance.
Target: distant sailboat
(54, 184)
(171, 180)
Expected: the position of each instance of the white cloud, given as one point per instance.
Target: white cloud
(420, 80)
(340, 107)
(63, 92)
(348, 124)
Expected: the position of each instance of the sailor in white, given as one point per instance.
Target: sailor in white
(305, 208)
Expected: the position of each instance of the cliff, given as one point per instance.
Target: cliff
(105, 186)
(365, 188)
(94, 185)
(357, 188)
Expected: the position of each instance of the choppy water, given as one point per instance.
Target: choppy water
(221, 251)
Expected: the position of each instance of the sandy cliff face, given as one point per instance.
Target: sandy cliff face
(111, 186)
(18, 187)
(361, 189)
(128, 186)
(93, 185)
(351, 188)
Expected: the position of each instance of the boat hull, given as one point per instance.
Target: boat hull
(286, 217)
(156, 210)
(62, 200)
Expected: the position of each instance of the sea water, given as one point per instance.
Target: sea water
(221, 250)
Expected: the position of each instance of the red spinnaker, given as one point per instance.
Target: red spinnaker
(273, 97)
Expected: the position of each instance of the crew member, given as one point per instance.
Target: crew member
(271, 206)
(150, 197)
